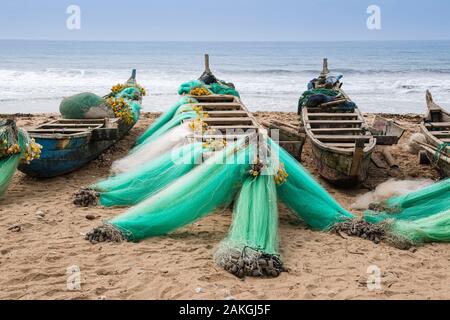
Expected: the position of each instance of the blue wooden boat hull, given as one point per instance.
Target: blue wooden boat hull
(62, 154)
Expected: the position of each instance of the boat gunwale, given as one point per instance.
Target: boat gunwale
(84, 132)
(428, 133)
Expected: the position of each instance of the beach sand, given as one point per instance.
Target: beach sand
(49, 239)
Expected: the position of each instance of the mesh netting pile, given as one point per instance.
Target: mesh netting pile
(177, 185)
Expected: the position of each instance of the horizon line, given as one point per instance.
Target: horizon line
(224, 41)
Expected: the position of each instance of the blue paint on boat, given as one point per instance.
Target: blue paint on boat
(69, 144)
(64, 153)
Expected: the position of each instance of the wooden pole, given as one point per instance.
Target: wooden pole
(389, 158)
(133, 76)
(358, 156)
(207, 69)
(325, 70)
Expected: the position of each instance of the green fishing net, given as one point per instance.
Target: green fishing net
(172, 123)
(432, 228)
(76, 106)
(164, 118)
(305, 96)
(9, 164)
(306, 197)
(173, 189)
(415, 205)
(251, 247)
(91, 106)
(132, 187)
(418, 217)
(202, 190)
(214, 88)
(255, 216)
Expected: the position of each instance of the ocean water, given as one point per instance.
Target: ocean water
(379, 76)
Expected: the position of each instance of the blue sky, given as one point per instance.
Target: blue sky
(227, 20)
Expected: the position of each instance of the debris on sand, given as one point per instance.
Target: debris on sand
(86, 197)
(105, 233)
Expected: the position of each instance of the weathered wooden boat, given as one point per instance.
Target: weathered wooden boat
(69, 144)
(228, 118)
(436, 129)
(342, 143)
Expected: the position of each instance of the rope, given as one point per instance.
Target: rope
(441, 149)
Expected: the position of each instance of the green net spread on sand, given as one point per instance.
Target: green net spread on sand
(170, 189)
(420, 216)
(210, 185)
(165, 118)
(132, 187)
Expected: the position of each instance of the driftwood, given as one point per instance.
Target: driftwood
(391, 161)
(378, 161)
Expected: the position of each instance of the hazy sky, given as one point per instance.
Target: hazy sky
(227, 20)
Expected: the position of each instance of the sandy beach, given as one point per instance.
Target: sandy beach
(42, 235)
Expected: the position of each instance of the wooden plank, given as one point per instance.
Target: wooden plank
(68, 125)
(221, 107)
(358, 156)
(438, 124)
(218, 105)
(238, 121)
(440, 134)
(215, 98)
(314, 110)
(335, 122)
(237, 127)
(57, 132)
(227, 113)
(333, 103)
(82, 120)
(333, 114)
(286, 124)
(342, 137)
(332, 130)
(222, 136)
(342, 145)
(383, 140)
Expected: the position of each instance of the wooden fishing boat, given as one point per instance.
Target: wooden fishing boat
(227, 117)
(69, 144)
(436, 129)
(341, 141)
